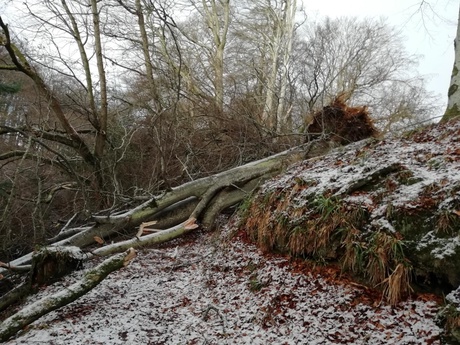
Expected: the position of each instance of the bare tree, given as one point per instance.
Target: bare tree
(21, 64)
(101, 135)
(213, 19)
(270, 26)
(363, 60)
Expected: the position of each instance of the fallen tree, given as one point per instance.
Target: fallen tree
(200, 200)
(173, 213)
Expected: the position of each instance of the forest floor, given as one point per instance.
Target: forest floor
(212, 288)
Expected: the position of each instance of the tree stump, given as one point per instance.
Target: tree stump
(51, 263)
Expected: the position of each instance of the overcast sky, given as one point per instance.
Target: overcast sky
(429, 33)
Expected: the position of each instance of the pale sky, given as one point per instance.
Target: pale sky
(429, 34)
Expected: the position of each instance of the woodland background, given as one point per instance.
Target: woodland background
(106, 103)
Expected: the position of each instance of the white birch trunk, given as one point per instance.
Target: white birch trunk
(270, 87)
(219, 29)
(453, 101)
(289, 20)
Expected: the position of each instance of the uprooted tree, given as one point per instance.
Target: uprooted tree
(85, 135)
(161, 218)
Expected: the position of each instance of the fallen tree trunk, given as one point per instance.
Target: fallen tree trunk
(13, 324)
(202, 199)
(19, 292)
(148, 240)
(203, 190)
(49, 264)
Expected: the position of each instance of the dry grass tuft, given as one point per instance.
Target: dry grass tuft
(397, 284)
(353, 257)
(325, 228)
(298, 241)
(447, 222)
(384, 250)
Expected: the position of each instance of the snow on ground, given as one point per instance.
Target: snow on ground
(214, 292)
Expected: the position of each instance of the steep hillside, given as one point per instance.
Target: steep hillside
(387, 210)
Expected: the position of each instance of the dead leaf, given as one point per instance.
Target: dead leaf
(98, 240)
(457, 212)
(1, 276)
(2, 264)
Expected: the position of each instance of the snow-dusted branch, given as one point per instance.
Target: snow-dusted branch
(13, 324)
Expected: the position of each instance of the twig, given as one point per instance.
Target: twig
(206, 312)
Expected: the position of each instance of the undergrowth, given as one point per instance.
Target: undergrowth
(327, 229)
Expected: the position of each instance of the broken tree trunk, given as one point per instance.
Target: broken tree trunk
(13, 324)
(51, 263)
(202, 199)
(201, 193)
(48, 265)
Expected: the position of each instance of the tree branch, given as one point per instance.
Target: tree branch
(91, 279)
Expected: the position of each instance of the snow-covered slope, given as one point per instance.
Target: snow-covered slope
(392, 203)
(200, 290)
(213, 288)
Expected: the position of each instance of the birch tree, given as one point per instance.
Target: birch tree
(282, 114)
(453, 100)
(270, 26)
(216, 15)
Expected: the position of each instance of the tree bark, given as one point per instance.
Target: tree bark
(219, 28)
(91, 279)
(289, 27)
(19, 292)
(101, 135)
(204, 189)
(453, 101)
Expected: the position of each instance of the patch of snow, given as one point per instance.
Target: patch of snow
(454, 297)
(383, 224)
(363, 199)
(72, 251)
(448, 248)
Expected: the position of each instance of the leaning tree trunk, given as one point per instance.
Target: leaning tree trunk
(453, 101)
